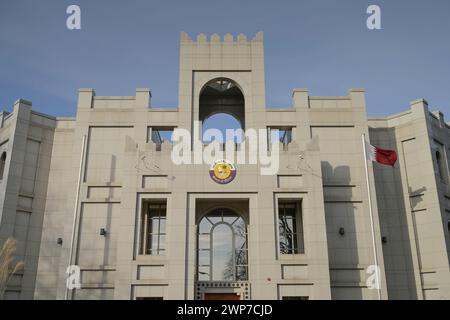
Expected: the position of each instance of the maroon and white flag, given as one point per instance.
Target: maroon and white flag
(382, 156)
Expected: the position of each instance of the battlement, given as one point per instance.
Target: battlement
(221, 53)
(88, 99)
(215, 38)
(354, 99)
(233, 57)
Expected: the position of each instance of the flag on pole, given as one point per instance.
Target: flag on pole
(382, 156)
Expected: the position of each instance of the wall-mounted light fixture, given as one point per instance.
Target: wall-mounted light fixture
(59, 241)
(341, 231)
(103, 232)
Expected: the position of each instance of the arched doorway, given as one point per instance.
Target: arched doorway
(222, 106)
(222, 247)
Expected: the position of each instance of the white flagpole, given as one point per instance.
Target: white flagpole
(75, 213)
(375, 256)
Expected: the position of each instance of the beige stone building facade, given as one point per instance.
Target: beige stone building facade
(100, 192)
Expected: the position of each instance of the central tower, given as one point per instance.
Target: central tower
(205, 64)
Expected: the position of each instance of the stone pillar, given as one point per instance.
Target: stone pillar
(85, 98)
(300, 98)
(143, 98)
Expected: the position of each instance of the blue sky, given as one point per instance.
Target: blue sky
(322, 45)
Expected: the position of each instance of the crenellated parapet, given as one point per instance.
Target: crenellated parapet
(226, 52)
(87, 99)
(354, 100)
(216, 38)
(234, 57)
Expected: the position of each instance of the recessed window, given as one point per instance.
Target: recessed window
(222, 107)
(441, 166)
(290, 226)
(159, 135)
(2, 164)
(154, 228)
(295, 298)
(439, 154)
(281, 134)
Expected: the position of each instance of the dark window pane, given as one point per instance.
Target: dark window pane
(156, 228)
(294, 242)
(295, 298)
(287, 224)
(285, 246)
(240, 241)
(241, 273)
(290, 228)
(241, 257)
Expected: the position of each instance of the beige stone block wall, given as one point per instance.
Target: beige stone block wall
(323, 168)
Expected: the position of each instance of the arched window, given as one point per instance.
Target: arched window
(2, 164)
(222, 247)
(222, 106)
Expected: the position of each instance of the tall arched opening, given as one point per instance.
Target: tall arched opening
(221, 107)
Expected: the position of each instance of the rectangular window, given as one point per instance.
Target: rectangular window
(441, 161)
(158, 135)
(281, 134)
(295, 298)
(290, 226)
(154, 228)
(2, 164)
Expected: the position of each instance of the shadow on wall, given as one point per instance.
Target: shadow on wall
(109, 234)
(416, 197)
(398, 249)
(341, 214)
(104, 247)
